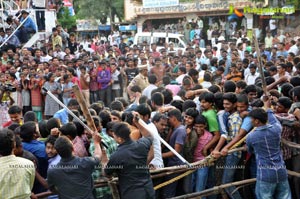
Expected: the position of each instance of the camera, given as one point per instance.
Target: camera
(8, 87)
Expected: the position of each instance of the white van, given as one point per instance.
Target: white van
(160, 38)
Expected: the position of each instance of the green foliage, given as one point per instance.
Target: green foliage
(65, 19)
(96, 9)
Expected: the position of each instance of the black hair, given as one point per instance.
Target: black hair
(259, 114)
(257, 103)
(121, 130)
(207, 96)
(229, 86)
(192, 112)
(79, 128)
(242, 98)
(135, 89)
(166, 80)
(73, 102)
(285, 102)
(7, 140)
(207, 77)
(158, 116)
(116, 105)
(104, 117)
(14, 110)
(51, 140)
(63, 147)
(286, 88)
(178, 104)
(157, 99)
(188, 104)
(97, 107)
(295, 81)
(231, 97)
(200, 119)
(219, 100)
(143, 109)
(241, 84)
(30, 116)
(269, 80)
(28, 130)
(52, 123)
(152, 79)
(69, 129)
(168, 96)
(214, 88)
(43, 128)
(13, 126)
(176, 113)
(193, 72)
(250, 88)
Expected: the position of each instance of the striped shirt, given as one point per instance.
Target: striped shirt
(16, 177)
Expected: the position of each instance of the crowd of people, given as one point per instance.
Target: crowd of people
(199, 102)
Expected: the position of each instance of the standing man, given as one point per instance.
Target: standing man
(177, 140)
(72, 176)
(140, 80)
(264, 142)
(40, 5)
(130, 162)
(16, 174)
(85, 84)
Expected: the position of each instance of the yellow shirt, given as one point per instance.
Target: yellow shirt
(16, 177)
(56, 40)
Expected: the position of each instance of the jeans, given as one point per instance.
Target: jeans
(116, 93)
(188, 184)
(94, 96)
(228, 175)
(23, 34)
(268, 190)
(169, 191)
(105, 95)
(200, 179)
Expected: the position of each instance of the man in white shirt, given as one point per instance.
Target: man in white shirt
(273, 27)
(295, 47)
(152, 85)
(251, 77)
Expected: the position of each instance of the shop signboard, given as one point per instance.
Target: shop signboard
(159, 3)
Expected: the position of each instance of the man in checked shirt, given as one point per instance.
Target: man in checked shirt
(264, 142)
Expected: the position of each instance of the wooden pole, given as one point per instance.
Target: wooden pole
(84, 108)
(260, 65)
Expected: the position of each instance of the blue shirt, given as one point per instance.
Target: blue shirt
(177, 137)
(62, 115)
(37, 148)
(264, 142)
(29, 23)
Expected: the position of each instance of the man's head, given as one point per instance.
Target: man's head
(121, 132)
(64, 147)
(50, 149)
(242, 103)
(229, 102)
(283, 105)
(174, 117)
(69, 130)
(7, 142)
(145, 111)
(259, 117)
(251, 92)
(200, 124)
(160, 121)
(15, 114)
(207, 100)
(28, 131)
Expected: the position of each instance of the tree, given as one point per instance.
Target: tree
(65, 19)
(96, 9)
